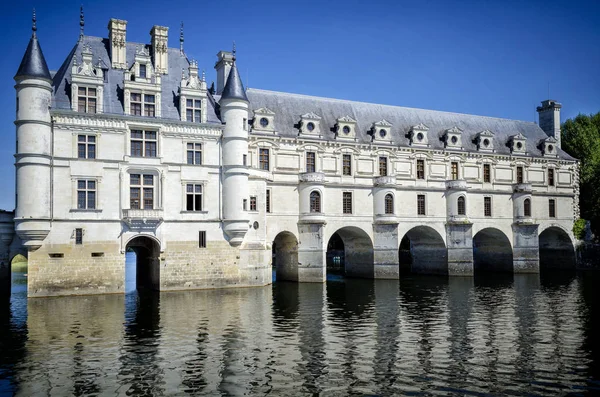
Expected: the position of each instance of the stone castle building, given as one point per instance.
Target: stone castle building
(124, 147)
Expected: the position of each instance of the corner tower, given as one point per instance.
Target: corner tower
(34, 142)
(234, 114)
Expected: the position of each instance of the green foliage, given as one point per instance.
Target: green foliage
(579, 228)
(581, 139)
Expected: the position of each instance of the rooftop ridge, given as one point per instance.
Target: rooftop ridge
(339, 100)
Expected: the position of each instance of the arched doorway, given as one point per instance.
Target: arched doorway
(492, 251)
(556, 250)
(146, 254)
(350, 253)
(285, 257)
(422, 250)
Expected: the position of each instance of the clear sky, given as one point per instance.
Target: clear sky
(488, 58)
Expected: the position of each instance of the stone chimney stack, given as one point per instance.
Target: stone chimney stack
(160, 35)
(549, 114)
(223, 66)
(117, 30)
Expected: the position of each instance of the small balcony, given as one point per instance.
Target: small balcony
(312, 217)
(522, 188)
(524, 220)
(312, 177)
(386, 219)
(384, 181)
(456, 184)
(143, 219)
(458, 220)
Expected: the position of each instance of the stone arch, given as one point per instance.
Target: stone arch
(354, 247)
(147, 252)
(422, 249)
(556, 249)
(492, 251)
(285, 256)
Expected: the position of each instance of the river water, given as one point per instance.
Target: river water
(498, 335)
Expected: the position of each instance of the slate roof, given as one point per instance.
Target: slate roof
(234, 89)
(289, 107)
(33, 63)
(113, 84)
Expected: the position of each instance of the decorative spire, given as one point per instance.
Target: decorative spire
(33, 24)
(81, 22)
(181, 39)
(203, 75)
(234, 89)
(233, 51)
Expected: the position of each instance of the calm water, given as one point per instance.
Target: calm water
(420, 336)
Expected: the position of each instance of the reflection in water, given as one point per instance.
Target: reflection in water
(422, 335)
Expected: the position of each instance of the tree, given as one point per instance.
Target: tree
(581, 139)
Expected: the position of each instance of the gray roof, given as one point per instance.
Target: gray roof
(234, 89)
(113, 79)
(33, 63)
(289, 107)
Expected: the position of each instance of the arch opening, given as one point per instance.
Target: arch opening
(422, 250)
(492, 251)
(285, 257)
(142, 264)
(556, 250)
(350, 253)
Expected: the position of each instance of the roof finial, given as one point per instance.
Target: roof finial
(181, 39)
(233, 52)
(203, 75)
(34, 23)
(81, 22)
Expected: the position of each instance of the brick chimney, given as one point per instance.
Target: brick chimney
(549, 114)
(117, 30)
(223, 66)
(160, 58)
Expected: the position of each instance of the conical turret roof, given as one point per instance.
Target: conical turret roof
(33, 63)
(234, 89)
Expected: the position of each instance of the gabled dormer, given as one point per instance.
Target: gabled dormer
(518, 144)
(453, 138)
(485, 141)
(192, 95)
(310, 124)
(382, 130)
(548, 147)
(87, 83)
(142, 87)
(264, 120)
(345, 127)
(418, 135)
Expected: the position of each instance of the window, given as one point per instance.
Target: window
(194, 153)
(383, 166)
(86, 146)
(253, 203)
(550, 176)
(420, 169)
(346, 164)
(268, 201)
(310, 161)
(245, 159)
(148, 105)
(141, 191)
(86, 194)
(245, 204)
(487, 174)
(315, 201)
(78, 236)
(347, 202)
(245, 125)
(519, 174)
(193, 197)
(552, 208)
(420, 204)
(527, 207)
(263, 159)
(193, 110)
(389, 204)
(487, 206)
(454, 170)
(143, 71)
(202, 239)
(461, 207)
(143, 143)
(86, 100)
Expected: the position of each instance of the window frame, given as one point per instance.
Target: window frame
(346, 164)
(87, 98)
(487, 206)
(87, 191)
(90, 141)
(420, 167)
(551, 208)
(383, 166)
(195, 195)
(202, 239)
(143, 188)
(268, 204)
(78, 236)
(253, 204)
(454, 171)
(264, 159)
(520, 174)
(196, 152)
(315, 204)
(143, 106)
(144, 141)
(487, 173)
(347, 203)
(311, 161)
(195, 110)
(421, 205)
(551, 177)
(527, 207)
(461, 206)
(388, 204)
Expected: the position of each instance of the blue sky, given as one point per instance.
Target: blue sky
(489, 58)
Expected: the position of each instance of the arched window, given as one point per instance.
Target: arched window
(389, 203)
(461, 206)
(315, 201)
(527, 207)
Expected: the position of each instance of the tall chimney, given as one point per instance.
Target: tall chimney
(223, 66)
(159, 43)
(117, 30)
(549, 114)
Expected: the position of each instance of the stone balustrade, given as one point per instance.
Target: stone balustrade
(314, 177)
(456, 184)
(384, 181)
(522, 188)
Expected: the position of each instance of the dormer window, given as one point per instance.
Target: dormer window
(142, 87)
(418, 135)
(345, 127)
(381, 130)
(548, 147)
(145, 102)
(484, 141)
(143, 71)
(310, 126)
(517, 144)
(310, 123)
(193, 111)
(87, 81)
(453, 138)
(264, 120)
(86, 100)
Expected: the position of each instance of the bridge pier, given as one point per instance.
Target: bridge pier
(7, 231)
(526, 251)
(459, 237)
(311, 253)
(385, 251)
